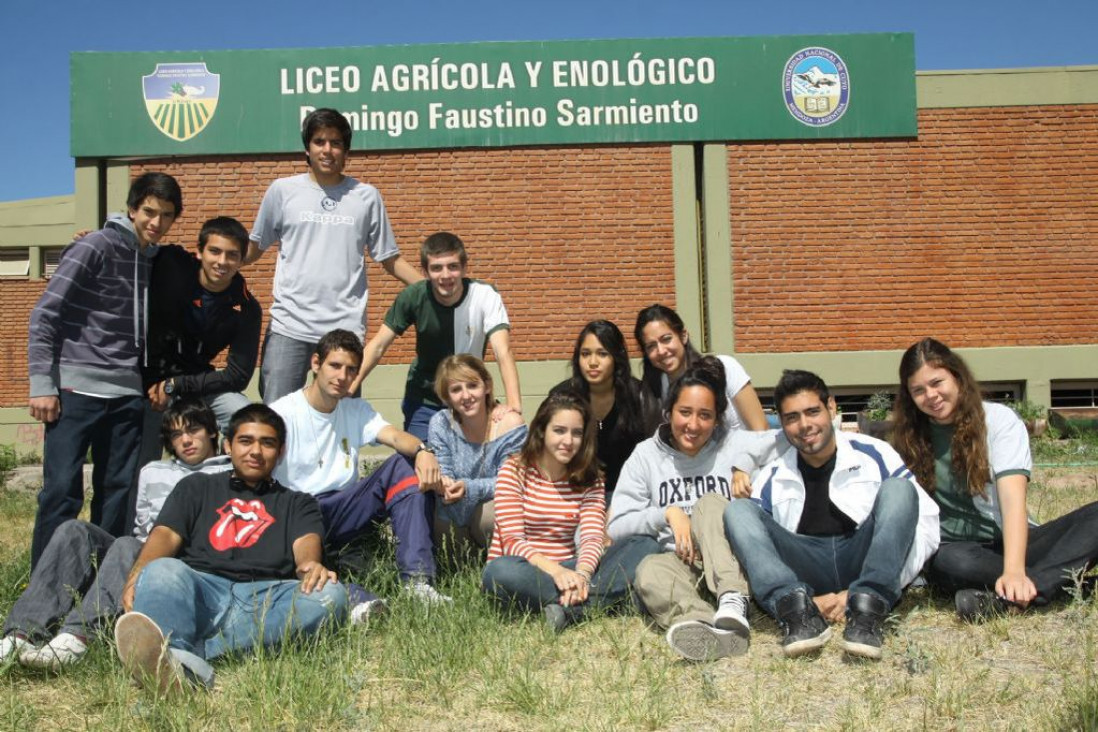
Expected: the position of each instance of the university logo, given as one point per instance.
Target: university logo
(817, 86)
(181, 98)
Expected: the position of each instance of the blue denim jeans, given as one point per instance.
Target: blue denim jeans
(515, 582)
(778, 561)
(112, 429)
(285, 366)
(205, 615)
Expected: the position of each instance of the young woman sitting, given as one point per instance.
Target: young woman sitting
(470, 448)
(674, 489)
(973, 457)
(547, 549)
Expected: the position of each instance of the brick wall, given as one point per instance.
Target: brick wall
(982, 232)
(19, 297)
(565, 234)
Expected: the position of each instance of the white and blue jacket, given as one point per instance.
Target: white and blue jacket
(862, 463)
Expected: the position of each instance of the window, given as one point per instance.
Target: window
(14, 262)
(51, 257)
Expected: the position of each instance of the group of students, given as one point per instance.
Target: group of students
(815, 524)
(668, 489)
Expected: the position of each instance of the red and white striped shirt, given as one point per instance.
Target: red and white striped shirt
(535, 515)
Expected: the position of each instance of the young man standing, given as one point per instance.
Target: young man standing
(82, 559)
(325, 223)
(87, 334)
(836, 526)
(233, 562)
(452, 314)
(324, 434)
(198, 308)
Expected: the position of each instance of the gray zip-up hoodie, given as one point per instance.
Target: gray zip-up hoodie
(87, 331)
(657, 475)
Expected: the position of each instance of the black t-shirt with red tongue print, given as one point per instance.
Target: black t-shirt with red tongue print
(237, 532)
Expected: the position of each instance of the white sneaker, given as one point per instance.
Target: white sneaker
(732, 613)
(63, 650)
(12, 646)
(425, 592)
(364, 611)
(698, 641)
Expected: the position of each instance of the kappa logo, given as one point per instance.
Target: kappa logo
(816, 86)
(181, 98)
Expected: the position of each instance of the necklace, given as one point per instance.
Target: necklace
(312, 428)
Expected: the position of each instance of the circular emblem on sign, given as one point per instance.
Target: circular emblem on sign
(817, 86)
(329, 204)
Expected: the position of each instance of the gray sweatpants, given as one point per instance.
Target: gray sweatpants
(671, 590)
(81, 560)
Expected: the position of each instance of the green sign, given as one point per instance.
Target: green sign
(497, 94)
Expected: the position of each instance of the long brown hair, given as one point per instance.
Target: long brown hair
(911, 434)
(583, 469)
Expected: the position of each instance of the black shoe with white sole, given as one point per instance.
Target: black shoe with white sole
(864, 632)
(804, 629)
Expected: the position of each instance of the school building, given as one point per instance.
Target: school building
(804, 202)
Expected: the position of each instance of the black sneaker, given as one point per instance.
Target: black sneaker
(805, 630)
(976, 605)
(864, 632)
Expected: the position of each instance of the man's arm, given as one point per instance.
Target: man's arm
(372, 354)
(508, 369)
(427, 470)
(308, 555)
(162, 542)
(44, 343)
(398, 267)
(253, 253)
(240, 364)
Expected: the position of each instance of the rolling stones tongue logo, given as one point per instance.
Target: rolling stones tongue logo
(240, 526)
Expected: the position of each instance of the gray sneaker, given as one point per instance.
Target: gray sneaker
(732, 613)
(144, 653)
(555, 618)
(698, 641)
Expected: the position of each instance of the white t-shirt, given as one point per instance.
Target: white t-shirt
(320, 277)
(322, 449)
(736, 379)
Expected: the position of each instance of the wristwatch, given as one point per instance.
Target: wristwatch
(169, 387)
(423, 447)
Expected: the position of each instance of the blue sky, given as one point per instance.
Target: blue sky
(36, 39)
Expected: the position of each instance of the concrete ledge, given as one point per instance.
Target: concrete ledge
(1006, 87)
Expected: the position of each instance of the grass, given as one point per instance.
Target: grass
(469, 667)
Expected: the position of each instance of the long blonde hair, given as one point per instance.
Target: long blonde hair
(459, 367)
(911, 434)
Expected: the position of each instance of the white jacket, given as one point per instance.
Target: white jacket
(862, 463)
